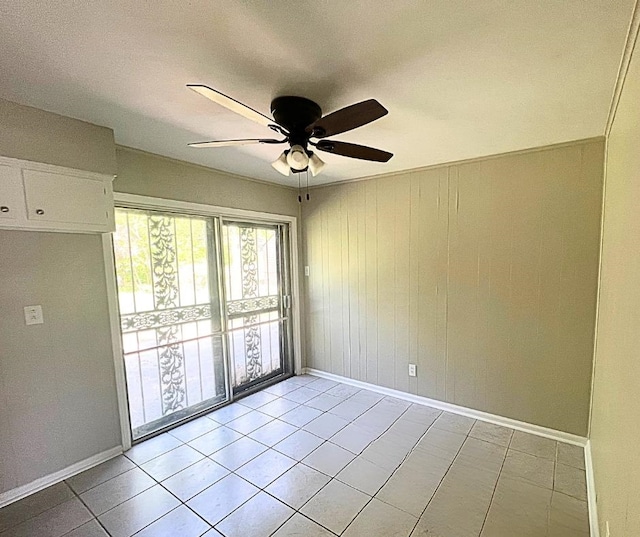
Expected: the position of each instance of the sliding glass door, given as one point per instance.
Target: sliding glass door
(203, 312)
(257, 301)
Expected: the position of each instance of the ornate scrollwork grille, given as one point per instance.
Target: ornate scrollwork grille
(253, 300)
(157, 319)
(237, 308)
(165, 293)
(250, 290)
(172, 358)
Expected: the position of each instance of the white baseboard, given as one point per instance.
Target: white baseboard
(538, 430)
(591, 491)
(18, 493)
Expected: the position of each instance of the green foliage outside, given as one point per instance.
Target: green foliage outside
(132, 242)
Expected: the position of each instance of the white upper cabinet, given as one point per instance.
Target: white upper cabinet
(53, 197)
(11, 196)
(42, 197)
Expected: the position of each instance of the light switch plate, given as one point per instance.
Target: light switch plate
(33, 315)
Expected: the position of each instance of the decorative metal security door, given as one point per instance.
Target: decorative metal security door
(170, 316)
(257, 301)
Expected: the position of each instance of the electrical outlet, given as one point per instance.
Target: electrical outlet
(306, 270)
(413, 370)
(33, 315)
(607, 533)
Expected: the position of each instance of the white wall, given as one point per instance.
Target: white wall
(31, 134)
(57, 385)
(146, 174)
(615, 420)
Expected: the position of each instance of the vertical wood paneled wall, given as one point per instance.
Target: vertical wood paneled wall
(482, 273)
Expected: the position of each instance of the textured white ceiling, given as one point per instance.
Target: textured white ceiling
(460, 79)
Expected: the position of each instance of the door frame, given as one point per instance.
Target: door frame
(185, 207)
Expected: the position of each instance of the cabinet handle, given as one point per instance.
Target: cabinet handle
(40, 211)
(4, 209)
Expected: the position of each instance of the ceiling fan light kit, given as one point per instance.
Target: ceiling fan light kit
(316, 165)
(299, 120)
(281, 164)
(297, 158)
(301, 161)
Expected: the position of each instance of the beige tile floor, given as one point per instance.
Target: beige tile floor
(311, 457)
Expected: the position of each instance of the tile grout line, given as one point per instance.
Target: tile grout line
(397, 467)
(183, 443)
(349, 421)
(41, 512)
(495, 487)
(327, 439)
(328, 411)
(553, 484)
(441, 480)
(261, 489)
(178, 506)
(297, 512)
(332, 478)
(394, 471)
(157, 483)
(555, 465)
(95, 517)
(412, 449)
(139, 465)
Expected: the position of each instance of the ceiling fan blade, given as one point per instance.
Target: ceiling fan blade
(354, 151)
(348, 118)
(232, 104)
(227, 143)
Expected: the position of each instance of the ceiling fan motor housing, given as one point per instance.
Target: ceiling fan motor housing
(295, 114)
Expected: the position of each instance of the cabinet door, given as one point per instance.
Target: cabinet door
(11, 198)
(53, 197)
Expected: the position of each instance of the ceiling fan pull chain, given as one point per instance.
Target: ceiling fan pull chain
(307, 184)
(299, 190)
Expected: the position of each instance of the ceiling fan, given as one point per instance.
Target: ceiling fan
(299, 120)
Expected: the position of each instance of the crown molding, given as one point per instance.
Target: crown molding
(560, 145)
